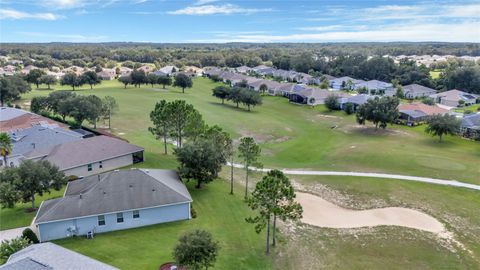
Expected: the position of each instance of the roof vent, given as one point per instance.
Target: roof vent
(80, 195)
(104, 193)
(153, 189)
(99, 177)
(147, 171)
(130, 186)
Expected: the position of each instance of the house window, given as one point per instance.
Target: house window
(100, 165)
(136, 214)
(119, 217)
(89, 167)
(101, 220)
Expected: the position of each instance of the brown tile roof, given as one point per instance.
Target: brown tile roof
(427, 109)
(26, 121)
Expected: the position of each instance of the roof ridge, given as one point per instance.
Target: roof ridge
(164, 184)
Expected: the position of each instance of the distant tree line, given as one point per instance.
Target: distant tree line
(139, 77)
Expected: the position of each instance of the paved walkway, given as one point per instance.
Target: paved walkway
(11, 234)
(453, 183)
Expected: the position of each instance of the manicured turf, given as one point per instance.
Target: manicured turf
(147, 248)
(295, 136)
(18, 216)
(473, 108)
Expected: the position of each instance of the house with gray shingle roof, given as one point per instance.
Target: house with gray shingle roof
(37, 137)
(49, 256)
(89, 156)
(454, 97)
(470, 126)
(112, 201)
(417, 91)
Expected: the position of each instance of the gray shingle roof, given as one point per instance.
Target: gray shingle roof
(418, 89)
(86, 151)
(471, 121)
(115, 191)
(26, 140)
(50, 256)
(7, 113)
(24, 264)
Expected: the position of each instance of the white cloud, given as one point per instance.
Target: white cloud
(461, 32)
(63, 4)
(19, 15)
(65, 37)
(327, 28)
(226, 9)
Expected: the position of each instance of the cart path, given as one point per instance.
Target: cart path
(452, 183)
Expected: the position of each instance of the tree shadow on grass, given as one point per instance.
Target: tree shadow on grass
(234, 107)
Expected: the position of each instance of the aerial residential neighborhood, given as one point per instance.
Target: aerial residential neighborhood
(215, 134)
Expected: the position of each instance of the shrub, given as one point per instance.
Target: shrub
(30, 235)
(193, 213)
(8, 247)
(349, 108)
(467, 112)
(331, 102)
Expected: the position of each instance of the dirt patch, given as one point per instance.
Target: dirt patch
(265, 138)
(371, 131)
(329, 116)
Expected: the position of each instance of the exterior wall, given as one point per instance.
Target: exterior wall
(419, 95)
(150, 216)
(108, 165)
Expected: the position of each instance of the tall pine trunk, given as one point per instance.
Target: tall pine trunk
(268, 235)
(274, 240)
(33, 201)
(246, 180)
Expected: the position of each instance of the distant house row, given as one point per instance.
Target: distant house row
(36, 137)
(105, 73)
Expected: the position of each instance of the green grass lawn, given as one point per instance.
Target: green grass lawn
(18, 216)
(473, 108)
(295, 136)
(435, 74)
(147, 248)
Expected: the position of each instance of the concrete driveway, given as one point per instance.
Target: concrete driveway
(11, 234)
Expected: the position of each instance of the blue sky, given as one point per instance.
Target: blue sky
(238, 21)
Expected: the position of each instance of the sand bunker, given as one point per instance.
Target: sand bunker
(321, 213)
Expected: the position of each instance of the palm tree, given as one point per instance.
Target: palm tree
(5, 146)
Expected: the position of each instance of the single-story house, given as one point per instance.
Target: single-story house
(169, 69)
(413, 113)
(264, 70)
(453, 98)
(375, 87)
(417, 91)
(89, 156)
(311, 96)
(470, 127)
(146, 68)
(107, 74)
(9, 68)
(116, 200)
(243, 69)
(27, 69)
(26, 140)
(15, 119)
(49, 256)
(344, 82)
(74, 69)
(356, 101)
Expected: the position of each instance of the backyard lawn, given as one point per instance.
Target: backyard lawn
(147, 248)
(295, 136)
